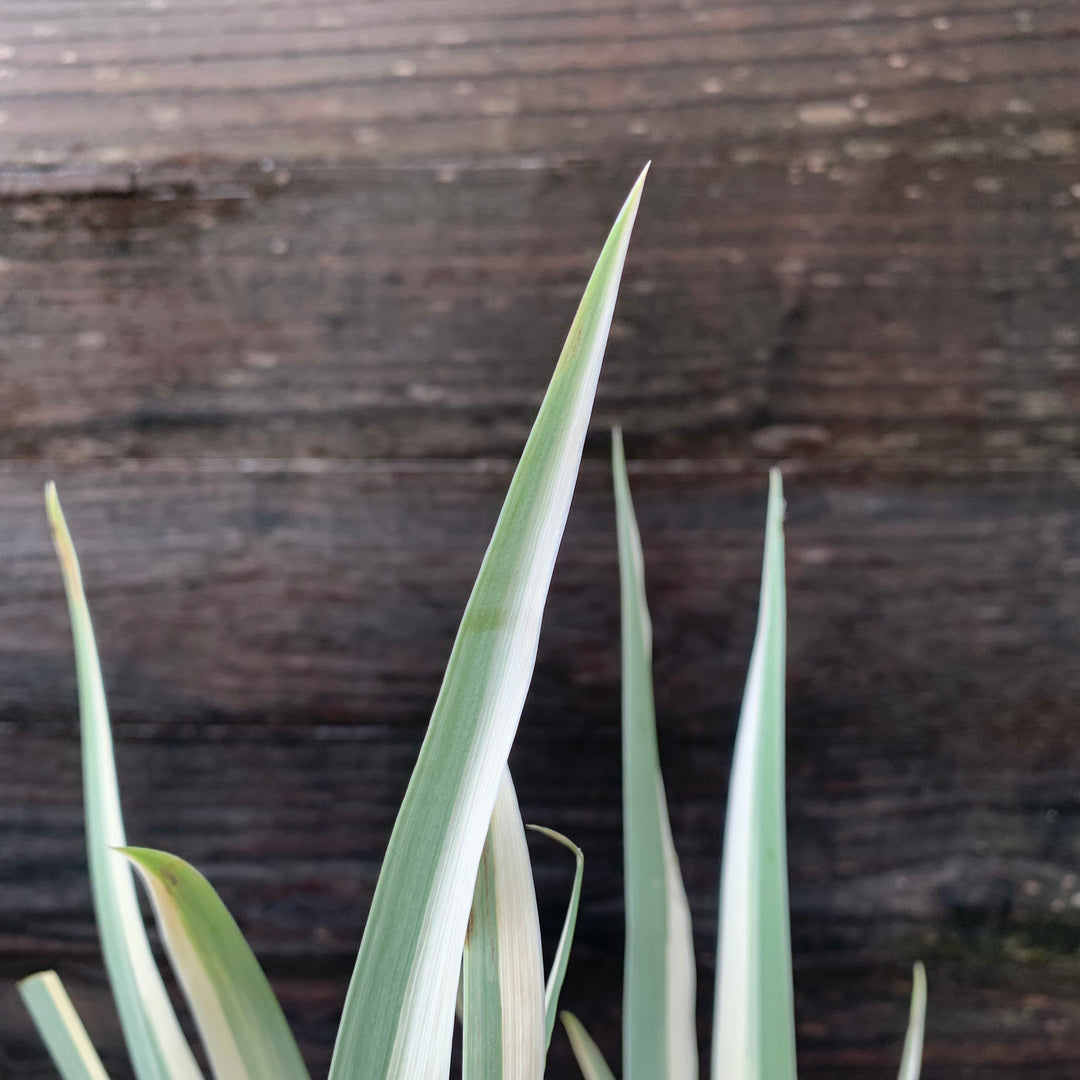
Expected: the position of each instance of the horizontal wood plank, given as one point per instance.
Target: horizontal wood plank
(872, 308)
(417, 81)
(281, 285)
(273, 637)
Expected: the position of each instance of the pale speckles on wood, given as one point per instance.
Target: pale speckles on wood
(354, 231)
(309, 83)
(132, 322)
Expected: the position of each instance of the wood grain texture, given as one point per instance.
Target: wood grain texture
(268, 711)
(281, 285)
(117, 83)
(365, 312)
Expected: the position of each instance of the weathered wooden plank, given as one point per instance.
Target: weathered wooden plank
(873, 304)
(273, 637)
(346, 232)
(423, 80)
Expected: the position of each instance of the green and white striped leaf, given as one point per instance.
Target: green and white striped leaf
(154, 1040)
(566, 939)
(586, 1052)
(754, 1024)
(503, 963)
(659, 982)
(240, 1021)
(911, 1061)
(60, 1027)
(399, 1012)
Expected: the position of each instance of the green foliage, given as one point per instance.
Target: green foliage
(659, 1036)
(399, 1012)
(154, 1040)
(240, 1021)
(48, 1003)
(455, 906)
(753, 1023)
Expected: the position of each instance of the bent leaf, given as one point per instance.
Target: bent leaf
(586, 1052)
(659, 983)
(60, 1027)
(503, 963)
(154, 1040)
(240, 1021)
(911, 1062)
(399, 1011)
(754, 1023)
(566, 939)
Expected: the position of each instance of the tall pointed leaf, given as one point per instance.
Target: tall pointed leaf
(399, 1012)
(240, 1021)
(911, 1062)
(566, 939)
(586, 1052)
(503, 964)
(754, 1024)
(659, 1035)
(60, 1027)
(154, 1040)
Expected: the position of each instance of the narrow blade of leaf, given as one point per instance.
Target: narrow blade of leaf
(911, 1062)
(61, 1029)
(240, 1021)
(503, 965)
(399, 1012)
(754, 1023)
(154, 1040)
(589, 1059)
(566, 939)
(659, 982)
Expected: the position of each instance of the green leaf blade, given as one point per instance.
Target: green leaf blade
(911, 1061)
(152, 1032)
(586, 1052)
(398, 1018)
(61, 1029)
(754, 1025)
(561, 960)
(659, 1033)
(240, 1021)
(503, 964)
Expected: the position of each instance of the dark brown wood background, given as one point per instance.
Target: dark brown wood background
(281, 284)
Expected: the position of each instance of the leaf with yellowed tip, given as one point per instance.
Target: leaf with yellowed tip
(60, 1027)
(239, 1019)
(754, 1022)
(399, 1012)
(659, 1033)
(586, 1052)
(503, 963)
(154, 1040)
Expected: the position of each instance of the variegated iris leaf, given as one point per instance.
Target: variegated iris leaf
(659, 982)
(503, 965)
(399, 1012)
(754, 1019)
(61, 1029)
(154, 1040)
(240, 1021)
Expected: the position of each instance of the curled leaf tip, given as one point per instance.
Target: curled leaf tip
(62, 542)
